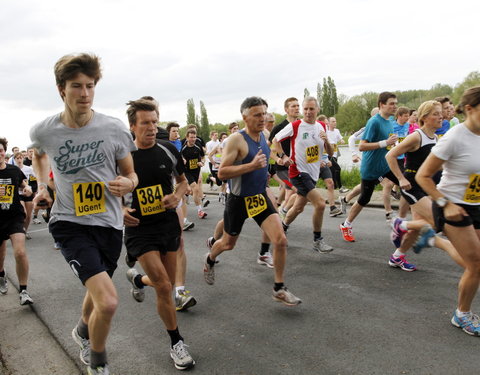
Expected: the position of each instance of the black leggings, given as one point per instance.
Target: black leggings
(336, 173)
(368, 186)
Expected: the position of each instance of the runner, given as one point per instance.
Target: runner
(377, 136)
(153, 232)
(456, 206)
(335, 138)
(244, 164)
(308, 140)
(12, 218)
(85, 148)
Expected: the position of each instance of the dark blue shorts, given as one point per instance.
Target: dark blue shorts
(88, 249)
(11, 226)
(304, 183)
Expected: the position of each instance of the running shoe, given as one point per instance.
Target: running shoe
(181, 358)
(347, 233)
(36, 221)
(265, 259)
(321, 247)
(210, 241)
(100, 370)
(25, 299)
(397, 233)
(130, 261)
(202, 214)
(187, 225)
(282, 213)
(395, 195)
(400, 262)
(208, 272)
(335, 211)
(28, 236)
(285, 296)
(470, 323)
(184, 301)
(3, 284)
(206, 202)
(84, 345)
(422, 242)
(343, 190)
(57, 246)
(138, 294)
(343, 205)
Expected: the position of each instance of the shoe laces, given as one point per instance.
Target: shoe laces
(181, 349)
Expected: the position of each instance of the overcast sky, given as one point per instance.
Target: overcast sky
(222, 51)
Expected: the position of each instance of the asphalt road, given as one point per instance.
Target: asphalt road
(358, 315)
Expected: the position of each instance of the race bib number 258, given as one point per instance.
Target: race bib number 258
(255, 204)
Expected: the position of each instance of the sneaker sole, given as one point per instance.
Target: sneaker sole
(393, 265)
(74, 337)
(26, 303)
(455, 324)
(261, 262)
(323, 251)
(190, 303)
(285, 302)
(178, 367)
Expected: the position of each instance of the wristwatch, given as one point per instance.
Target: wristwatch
(441, 202)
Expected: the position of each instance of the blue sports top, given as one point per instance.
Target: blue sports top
(254, 182)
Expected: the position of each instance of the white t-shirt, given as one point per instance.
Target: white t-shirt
(28, 172)
(459, 147)
(211, 145)
(306, 147)
(334, 137)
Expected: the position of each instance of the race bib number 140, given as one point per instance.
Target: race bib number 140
(89, 198)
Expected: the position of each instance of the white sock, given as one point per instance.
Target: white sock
(347, 224)
(179, 289)
(431, 241)
(397, 253)
(199, 208)
(462, 314)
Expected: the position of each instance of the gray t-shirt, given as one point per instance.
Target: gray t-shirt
(83, 161)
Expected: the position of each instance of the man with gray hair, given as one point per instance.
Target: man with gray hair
(244, 164)
(308, 140)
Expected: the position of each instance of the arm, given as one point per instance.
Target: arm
(411, 143)
(370, 146)
(127, 181)
(172, 200)
(326, 143)
(285, 159)
(41, 166)
(424, 178)
(231, 152)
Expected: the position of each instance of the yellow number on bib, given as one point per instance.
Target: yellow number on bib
(389, 147)
(255, 204)
(193, 163)
(89, 198)
(472, 193)
(150, 200)
(7, 196)
(312, 154)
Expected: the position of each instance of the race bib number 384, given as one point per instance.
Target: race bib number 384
(150, 200)
(89, 198)
(255, 204)
(6, 193)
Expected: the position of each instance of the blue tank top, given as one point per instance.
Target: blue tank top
(254, 182)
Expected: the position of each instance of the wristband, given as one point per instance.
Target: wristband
(382, 144)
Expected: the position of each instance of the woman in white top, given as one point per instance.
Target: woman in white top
(27, 202)
(456, 200)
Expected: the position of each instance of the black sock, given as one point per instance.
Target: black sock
(174, 336)
(278, 286)
(213, 240)
(97, 359)
(2, 273)
(82, 329)
(138, 281)
(317, 235)
(285, 226)
(264, 249)
(22, 288)
(210, 262)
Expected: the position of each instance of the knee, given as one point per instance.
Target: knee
(108, 305)
(280, 243)
(297, 209)
(20, 255)
(163, 288)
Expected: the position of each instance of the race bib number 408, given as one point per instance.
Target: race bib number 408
(150, 200)
(472, 193)
(89, 198)
(312, 154)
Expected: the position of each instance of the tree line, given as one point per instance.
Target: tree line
(351, 113)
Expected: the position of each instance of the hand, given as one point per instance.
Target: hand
(42, 200)
(323, 136)
(356, 158)
(454, 212)
(392, 139)
(405, 184)
(120, 186)
(27, 191)
(170, 201)
(329, 164)
(129, 220)
(322, 164)
(287, 162)
(200, 163)
(259, 161)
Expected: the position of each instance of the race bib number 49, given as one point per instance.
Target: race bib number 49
(255, 204)
(89, 198)
(150, 200)
(6, 193)
(312, 154)
(472, 193)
